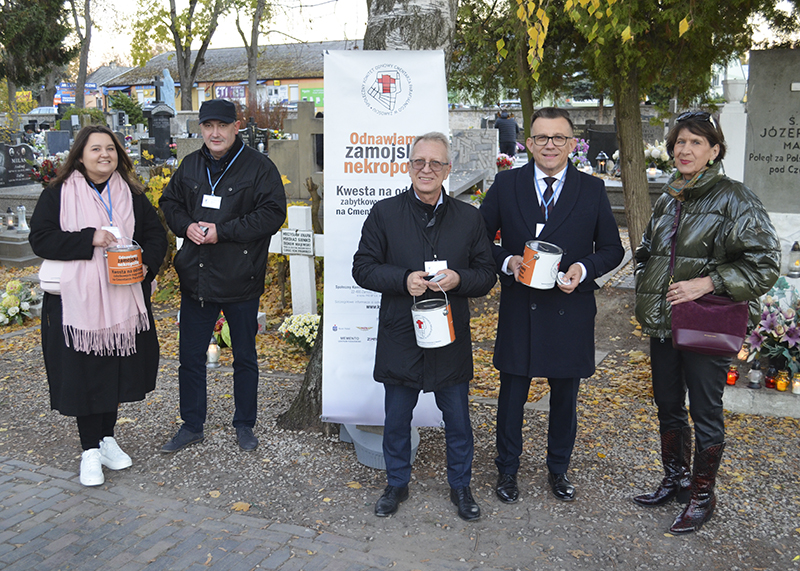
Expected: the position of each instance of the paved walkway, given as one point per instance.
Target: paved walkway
(48, 522)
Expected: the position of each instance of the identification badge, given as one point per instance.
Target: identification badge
(211, 201)
(539, 228)
(114, 230)
(434, 266)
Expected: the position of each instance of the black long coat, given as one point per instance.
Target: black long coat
(548, 333)
(81, 383)
(392, 246)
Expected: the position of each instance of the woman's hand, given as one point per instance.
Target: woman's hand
(103, 238)
(689, 290)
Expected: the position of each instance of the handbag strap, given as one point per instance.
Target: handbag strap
(674, 240)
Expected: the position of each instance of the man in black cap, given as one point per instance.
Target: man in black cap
(509, 129)
(226, 200)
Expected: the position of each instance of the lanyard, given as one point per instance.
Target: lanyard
(208, 171)
(542, 201)
(108, 206)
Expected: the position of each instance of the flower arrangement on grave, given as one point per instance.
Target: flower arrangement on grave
(777, 335)
(37, 141)
(504, 162)
(173, 149)
(578, 156)
(45, 168)
(657, 154)
(478, 196)
(222, 331)
(300, 330)
(16, 303)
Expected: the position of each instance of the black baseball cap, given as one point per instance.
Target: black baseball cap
(219, 110)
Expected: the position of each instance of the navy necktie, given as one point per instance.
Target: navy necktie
(547, 203)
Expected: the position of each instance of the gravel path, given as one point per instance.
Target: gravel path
(315, 482)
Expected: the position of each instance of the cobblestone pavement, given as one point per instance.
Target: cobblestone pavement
(51, 522)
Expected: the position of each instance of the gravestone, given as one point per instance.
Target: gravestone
(772, 148)
(158, 118)
(120, 137)
(14, 167)
(652, 133)
(193, 127)
(57, 141)
(295, 158)
(605, 141)
(255, 137)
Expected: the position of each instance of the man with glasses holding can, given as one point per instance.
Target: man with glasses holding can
(547, 332)
(417, 245)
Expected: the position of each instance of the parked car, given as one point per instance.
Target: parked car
(43, 111)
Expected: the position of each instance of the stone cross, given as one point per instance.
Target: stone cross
(158, 83)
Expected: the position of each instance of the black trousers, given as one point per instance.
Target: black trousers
(92, 428)
(676, 371)
(562, 428)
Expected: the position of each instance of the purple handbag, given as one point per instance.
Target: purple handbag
(712, 324)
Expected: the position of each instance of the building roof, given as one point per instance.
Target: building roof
(106, 73)
(281, 61)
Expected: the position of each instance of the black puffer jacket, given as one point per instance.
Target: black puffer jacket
(392, 246)
(252, 209)
(724, 233)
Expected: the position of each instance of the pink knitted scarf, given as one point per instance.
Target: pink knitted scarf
(99, 317)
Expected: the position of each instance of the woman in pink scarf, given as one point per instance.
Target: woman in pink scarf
(99, 340)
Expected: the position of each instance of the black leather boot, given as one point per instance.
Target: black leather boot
(676, 454)
(703, 501)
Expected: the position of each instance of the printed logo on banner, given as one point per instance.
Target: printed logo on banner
(387, 89)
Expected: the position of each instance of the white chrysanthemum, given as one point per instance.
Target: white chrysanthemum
(24, 306)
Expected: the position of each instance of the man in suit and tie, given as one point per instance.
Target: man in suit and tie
(547, 332)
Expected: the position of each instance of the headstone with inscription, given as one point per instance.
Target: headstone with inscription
(652, 133)
(158, 118)
(255, 137)
(57, 141)
(14, 167)
(772, 148)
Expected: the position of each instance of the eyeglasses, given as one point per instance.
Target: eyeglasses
(419, 164)
(558, 140)
(701, 115)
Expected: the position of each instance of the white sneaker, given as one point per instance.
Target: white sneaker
(91, 469)
(112, 456)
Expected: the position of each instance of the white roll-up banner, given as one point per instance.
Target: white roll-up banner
(376, 102)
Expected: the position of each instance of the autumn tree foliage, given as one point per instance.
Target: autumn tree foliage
(157, 23)
(32, 42)
(634, 46)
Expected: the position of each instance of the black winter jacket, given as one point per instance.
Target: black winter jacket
(392, 246)
(253, 208)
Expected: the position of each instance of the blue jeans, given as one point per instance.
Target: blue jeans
(399, 405)
(196, 329)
